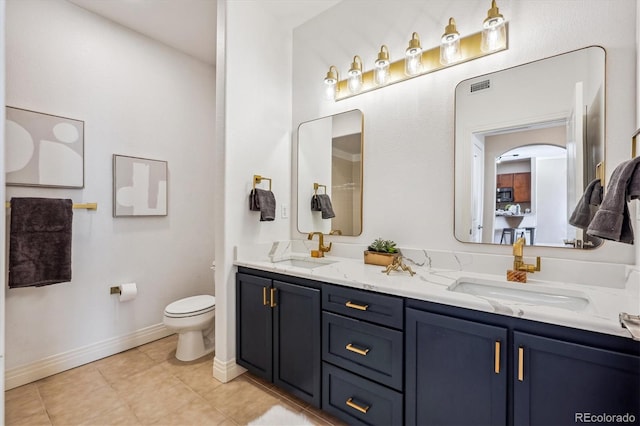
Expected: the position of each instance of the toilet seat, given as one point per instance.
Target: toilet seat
(190, 306)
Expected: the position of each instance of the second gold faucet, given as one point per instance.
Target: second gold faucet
(520, 269)
(322, 249)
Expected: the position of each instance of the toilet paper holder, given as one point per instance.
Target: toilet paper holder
(115, 290)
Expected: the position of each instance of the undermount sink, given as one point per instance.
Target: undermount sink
(307, 263)
(523, 293)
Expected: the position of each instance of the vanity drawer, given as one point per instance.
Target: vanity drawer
(357, 400)
(373, 307)
(372, 351)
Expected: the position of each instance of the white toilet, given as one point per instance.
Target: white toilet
(192, 319)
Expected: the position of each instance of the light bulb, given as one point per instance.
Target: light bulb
(354, 82)
(331, 83)
(413, 56)
(494, 34)
(381, 70)
(450, 44)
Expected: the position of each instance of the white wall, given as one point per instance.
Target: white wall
(409, 127)
(136, 97)
(637, 116)
(254, 129)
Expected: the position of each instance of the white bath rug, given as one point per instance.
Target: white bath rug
(280, 416)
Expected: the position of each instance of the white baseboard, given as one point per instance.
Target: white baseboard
(61, 362)
(226, 371)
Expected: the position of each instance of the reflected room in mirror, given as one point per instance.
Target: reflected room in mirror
(528, 141)
(330, 173)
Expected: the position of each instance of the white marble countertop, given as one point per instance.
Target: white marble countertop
(609, 288)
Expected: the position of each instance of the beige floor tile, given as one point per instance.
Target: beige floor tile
(86, 378)
(119, 416)
(154, 403)
(242, 400)
(124, 364)
(228, 422)
(23, 406)
(200, 379)
(198, 412)
(176, 366)
(161, 350)
(71, 406)
(141, 383)
(29, 390)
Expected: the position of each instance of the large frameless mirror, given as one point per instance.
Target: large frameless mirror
(528, 140)
(330, 163)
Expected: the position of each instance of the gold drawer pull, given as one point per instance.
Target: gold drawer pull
(359, 351)
(521, 364)
(273, 297)
(355, 406)
(264, 296)
(352, 305)
(496, 367)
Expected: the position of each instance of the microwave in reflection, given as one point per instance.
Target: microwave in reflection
(504, 195)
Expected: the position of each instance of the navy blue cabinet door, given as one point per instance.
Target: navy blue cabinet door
(563, 383)
(456, 371)
(254, 337)
(297, 340)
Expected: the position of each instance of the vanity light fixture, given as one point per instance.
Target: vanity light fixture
(355, 75)
(452, 50)
(450, 44)
(413, 56)
(494, 34)
(381, 70)
(331, 83)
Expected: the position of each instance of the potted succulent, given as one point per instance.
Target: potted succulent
(381, 252)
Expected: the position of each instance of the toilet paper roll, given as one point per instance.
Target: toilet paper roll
(128, 291)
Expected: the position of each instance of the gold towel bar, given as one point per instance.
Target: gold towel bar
(88, 206)
(316, 185)
(600, 172)
(257, 179)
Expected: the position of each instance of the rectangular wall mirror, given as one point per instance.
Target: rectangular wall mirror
(528, 140)
(330, 162)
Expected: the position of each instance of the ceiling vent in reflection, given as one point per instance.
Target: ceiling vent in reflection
(481, 85)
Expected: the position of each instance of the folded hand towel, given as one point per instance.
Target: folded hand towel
(40, 242)
(263, 201)
(322, 203)
(587, 206)
(612, 221)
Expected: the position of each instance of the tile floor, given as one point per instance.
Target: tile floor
(148, 386)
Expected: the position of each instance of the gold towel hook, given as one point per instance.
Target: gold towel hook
(316, 185)
(600, 173)
(257, 179)
(634, 144)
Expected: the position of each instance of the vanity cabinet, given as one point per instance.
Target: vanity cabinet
(363, 356)
(456, 371)
(558, 382)
(278, 332)
(469, 367)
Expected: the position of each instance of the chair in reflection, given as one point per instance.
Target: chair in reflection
(509, 235)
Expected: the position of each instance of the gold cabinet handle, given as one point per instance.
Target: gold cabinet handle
(352, 305)
(359, 351)
(273, 298)
(521, 364)
(264, 296)
(355, 406)
(496, 367)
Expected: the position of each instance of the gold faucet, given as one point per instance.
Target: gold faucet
(520, 269)
(322, 249)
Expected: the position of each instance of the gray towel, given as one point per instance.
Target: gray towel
(322, 203)
(40, 242)
(263, 201)
(612, 221)
(587, 206)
